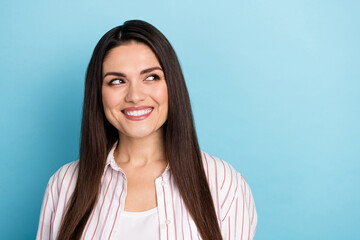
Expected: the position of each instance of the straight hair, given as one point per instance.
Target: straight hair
(98, 136)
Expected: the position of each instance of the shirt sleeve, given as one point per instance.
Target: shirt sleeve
(239, 217)
(47, 212)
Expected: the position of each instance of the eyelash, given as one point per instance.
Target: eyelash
(112, 81)
(156, 77)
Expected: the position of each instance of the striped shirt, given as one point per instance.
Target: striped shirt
(232, 197)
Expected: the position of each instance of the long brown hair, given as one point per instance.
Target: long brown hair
(98, 136)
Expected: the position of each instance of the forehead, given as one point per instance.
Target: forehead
(132, 56)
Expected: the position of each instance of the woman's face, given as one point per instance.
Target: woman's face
(134, 90)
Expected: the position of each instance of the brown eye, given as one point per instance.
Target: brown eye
(116, 82)
(153, 77)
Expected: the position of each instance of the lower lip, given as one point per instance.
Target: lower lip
(137, 118)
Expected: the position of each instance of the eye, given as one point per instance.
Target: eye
(153, 77)
(116, 82)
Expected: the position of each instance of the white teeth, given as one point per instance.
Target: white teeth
(138, 113)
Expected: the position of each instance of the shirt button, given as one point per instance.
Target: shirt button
(167, 222)
(163, 183)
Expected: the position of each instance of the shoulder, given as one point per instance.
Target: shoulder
(220, 170)
(62, 181)
(64, 174)
(58, 191)
(225, 182)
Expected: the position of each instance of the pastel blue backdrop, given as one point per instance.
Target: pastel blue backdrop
(274, 85)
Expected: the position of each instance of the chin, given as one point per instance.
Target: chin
(140, 134)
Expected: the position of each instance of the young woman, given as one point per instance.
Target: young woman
(141, 174)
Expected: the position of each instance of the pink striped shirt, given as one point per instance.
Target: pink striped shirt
(234, 203)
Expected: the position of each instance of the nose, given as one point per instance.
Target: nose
(135, 93)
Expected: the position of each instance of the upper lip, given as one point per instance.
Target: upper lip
(129, 109)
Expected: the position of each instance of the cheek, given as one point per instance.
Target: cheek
(109, 99)
(161, 95)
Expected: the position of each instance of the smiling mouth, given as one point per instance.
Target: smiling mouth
(137, 115)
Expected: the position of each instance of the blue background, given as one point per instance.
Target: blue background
(274, 86)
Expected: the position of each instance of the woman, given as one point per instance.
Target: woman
(141, 174)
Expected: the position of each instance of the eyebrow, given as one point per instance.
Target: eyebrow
(120, 74)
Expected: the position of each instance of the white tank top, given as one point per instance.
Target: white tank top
(140, 225)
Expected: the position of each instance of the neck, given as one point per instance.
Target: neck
(140, 151)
